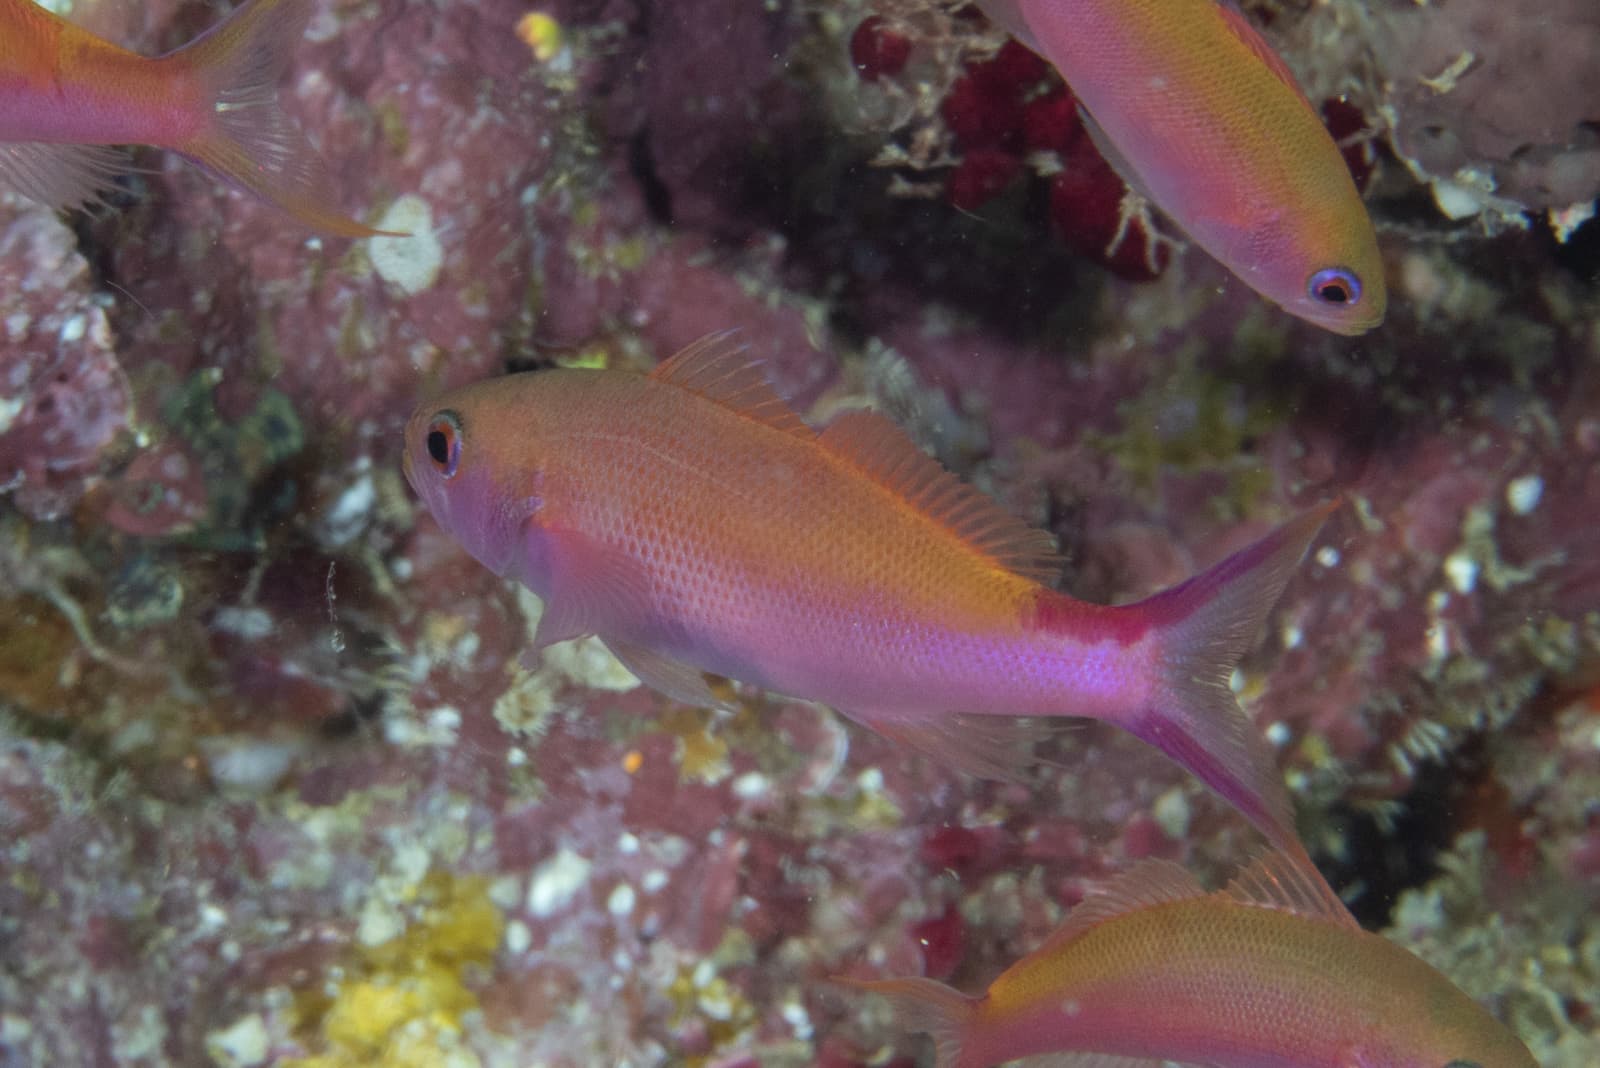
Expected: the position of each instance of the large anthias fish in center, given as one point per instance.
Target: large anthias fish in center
(695, 523)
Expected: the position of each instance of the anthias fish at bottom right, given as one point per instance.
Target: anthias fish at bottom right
(1268, 973)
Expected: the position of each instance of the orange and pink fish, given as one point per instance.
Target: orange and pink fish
(67, 97)
(1270, 973)
(695, 523)
(1198, 113)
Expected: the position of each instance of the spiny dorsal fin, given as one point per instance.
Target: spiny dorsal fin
(1147, 883)
(880, 449)
(1279, 881)
(1251, 38)
(718, 367)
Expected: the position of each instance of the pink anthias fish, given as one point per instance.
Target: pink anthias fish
(67, 96)
(1197, 112)
(1270, 973)
(692, 521)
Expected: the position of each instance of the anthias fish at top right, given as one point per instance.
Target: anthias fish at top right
(1199, 115)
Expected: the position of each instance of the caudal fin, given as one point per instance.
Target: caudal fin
(247, 139)
(1206, 625)
(924, 1005)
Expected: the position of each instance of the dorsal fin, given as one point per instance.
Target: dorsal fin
(718, 367)
(1007, 14)
(1147, 883)
(1251, 38)
(882, 451)
(1279, 881)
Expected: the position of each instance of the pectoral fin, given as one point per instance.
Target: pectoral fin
(988, 747)
(594, 589)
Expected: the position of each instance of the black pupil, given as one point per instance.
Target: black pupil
(1334, 293)
(439, 446)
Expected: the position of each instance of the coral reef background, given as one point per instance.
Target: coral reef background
(274, 785)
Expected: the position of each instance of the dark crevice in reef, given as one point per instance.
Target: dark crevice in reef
(1384, 857)
(642, 165)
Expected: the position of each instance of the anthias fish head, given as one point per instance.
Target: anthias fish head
(1329, 273)
(479, 486)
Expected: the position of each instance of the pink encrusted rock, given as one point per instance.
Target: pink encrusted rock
(63, 395)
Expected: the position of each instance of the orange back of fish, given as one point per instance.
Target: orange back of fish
(704, 494)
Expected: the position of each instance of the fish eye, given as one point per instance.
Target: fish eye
(1335, 285)
(444, 443)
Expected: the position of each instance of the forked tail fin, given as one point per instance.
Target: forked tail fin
(246, 138)
(924, 1005)
(1205, 626)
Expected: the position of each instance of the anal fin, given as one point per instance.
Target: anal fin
(1000, 748)
(60, 175)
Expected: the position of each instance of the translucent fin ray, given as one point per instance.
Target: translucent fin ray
(718, 367)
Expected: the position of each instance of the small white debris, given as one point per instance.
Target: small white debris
(506, 892)
(1292, 636)
(246, 765)
(1462, 571)
(751, 786)
(410, 264)
(627, 843)
(556, 882)
(348, 517)
(518, 937)
(796, 1016)
(251, 624)
(1328, 556)
(444, 722)
(1438, 641)
(10, 408)
(653, 880)
(212, 918)
(1237, 681)
(870, 781)
(1522, 494)
(436, 727)
(380, 922)
(243, 1044)
(703, 973)
(1278, 734)
(1171, 812)
(621, 901)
